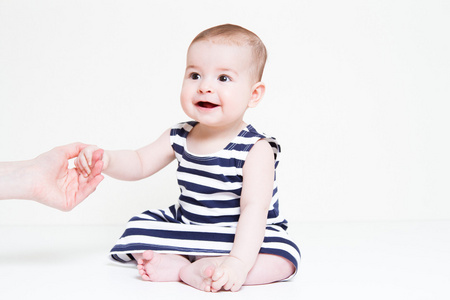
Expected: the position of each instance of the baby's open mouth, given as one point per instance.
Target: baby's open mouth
(205, 104)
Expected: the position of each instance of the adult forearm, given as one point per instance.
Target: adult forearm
(16, 180)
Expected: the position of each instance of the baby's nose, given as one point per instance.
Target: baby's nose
(205, 87)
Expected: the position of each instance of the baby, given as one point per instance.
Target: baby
(226, 229)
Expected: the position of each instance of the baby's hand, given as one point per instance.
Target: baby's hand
(87, 159)
(230, 275)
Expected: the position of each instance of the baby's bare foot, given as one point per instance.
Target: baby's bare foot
(160, 267)
(199, 274)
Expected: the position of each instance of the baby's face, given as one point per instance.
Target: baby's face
(218, 82)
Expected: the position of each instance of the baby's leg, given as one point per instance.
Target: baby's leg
(269, 268)
(160, 267)
(199, 273)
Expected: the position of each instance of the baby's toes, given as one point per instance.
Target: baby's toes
(144, 275)
(207, 284)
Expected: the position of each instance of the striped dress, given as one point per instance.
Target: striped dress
(204, 220)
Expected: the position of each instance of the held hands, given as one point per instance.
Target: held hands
(230, 275)
(58, 186)
(88, 158)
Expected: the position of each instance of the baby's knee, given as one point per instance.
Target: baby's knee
(270, 268)
(285, 268)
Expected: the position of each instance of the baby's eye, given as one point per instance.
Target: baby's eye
(224, 78)
(194, 76)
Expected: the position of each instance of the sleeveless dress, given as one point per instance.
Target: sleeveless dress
(204, 220)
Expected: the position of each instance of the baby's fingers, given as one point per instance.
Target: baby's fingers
(218, 273)
(228, 285)
(232, 284)
(82, 165)
(220, 278)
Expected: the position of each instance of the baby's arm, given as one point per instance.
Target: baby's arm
(257, 188)
(131, 164)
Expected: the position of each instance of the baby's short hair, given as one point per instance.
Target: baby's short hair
(237, 35)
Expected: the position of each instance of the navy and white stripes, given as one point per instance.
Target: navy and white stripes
(204, 220)
(211, 184)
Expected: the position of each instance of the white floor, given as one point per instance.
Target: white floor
(359, 260)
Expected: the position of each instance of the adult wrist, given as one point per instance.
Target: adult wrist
(16, 180)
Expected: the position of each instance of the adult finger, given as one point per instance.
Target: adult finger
(97, 169)
(72, 150)
(97, 156)
(89, 186)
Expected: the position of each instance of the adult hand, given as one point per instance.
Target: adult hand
(48, 180)
(52, 183)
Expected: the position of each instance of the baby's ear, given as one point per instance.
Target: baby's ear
(258, 91)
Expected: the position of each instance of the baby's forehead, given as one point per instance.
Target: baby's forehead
(207, 54)
(232, 35)
(226, 48)
(219, 53)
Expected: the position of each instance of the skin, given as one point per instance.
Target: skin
(48, 180)
(217, 90)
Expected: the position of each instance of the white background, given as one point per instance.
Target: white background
(357, 95)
